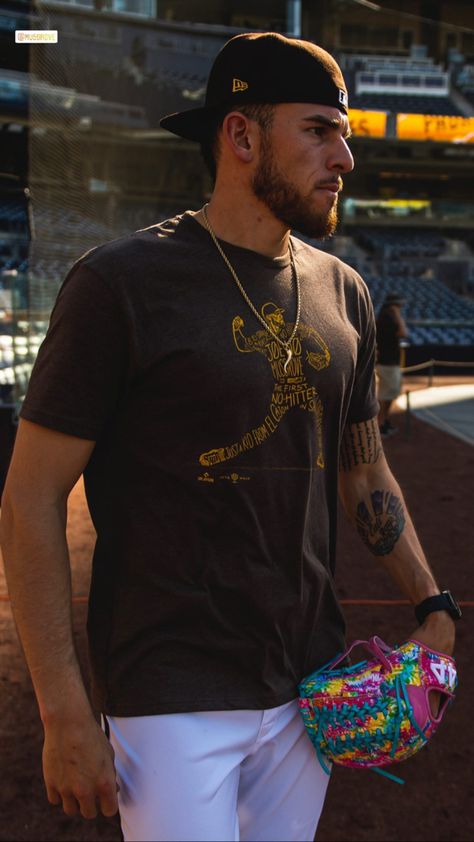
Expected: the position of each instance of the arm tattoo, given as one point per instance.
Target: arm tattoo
(360, 444)
(381, 524)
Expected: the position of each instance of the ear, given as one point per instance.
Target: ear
(239, 134)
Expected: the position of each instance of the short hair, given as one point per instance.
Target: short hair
(210, 146)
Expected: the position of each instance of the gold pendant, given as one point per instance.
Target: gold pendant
(289, 354)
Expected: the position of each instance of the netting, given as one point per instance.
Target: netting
(99, 165)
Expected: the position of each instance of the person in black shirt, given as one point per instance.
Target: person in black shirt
(213, 378)
(390, 329)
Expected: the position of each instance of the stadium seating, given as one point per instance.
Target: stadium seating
(14, 92)
(176, 81)
(399, 85)
(405, 104)
(403, 262)
(66, 220)
(389, 243)
(464, 80)
(63, 235)
(13, 216)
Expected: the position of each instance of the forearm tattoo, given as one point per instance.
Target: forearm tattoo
(381, 524)
(360, 444)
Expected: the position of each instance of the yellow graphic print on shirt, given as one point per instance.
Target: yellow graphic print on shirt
(291, 389)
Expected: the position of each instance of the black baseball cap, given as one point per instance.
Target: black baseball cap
(263, 67)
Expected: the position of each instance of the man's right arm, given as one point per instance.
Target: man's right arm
(77, 757)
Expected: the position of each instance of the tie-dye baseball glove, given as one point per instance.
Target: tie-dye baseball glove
(377, 711)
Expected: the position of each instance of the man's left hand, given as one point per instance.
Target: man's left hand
(438, 633)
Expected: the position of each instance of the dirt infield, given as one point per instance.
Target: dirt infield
(436, 803)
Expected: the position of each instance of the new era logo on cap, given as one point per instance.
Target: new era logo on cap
(238, 85)
(342, 97)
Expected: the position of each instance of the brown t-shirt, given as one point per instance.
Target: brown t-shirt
(213, 482)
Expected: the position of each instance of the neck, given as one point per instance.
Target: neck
(246, 223)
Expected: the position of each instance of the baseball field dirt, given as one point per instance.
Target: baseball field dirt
(436, 802)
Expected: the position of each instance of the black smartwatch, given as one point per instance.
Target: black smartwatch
(442, 602)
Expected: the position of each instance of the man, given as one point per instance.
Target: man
(208, 375)
(390, 329)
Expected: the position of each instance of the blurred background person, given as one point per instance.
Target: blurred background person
(391, 328)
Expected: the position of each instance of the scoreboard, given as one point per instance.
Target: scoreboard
(422, 127)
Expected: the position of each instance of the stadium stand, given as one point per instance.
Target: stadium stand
(12, 216)
(13, 94)
(410, 85)
(76, 231)
(464, 80)
(407, 261)
(405, 104)
(389, 243)
(428, 300)
(166, 88)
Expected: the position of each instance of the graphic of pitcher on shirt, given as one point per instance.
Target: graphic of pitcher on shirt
(291, 389)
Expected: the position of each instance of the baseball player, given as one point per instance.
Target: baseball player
(212, 590)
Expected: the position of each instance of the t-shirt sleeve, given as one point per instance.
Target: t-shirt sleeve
(363, 404)
(81, 366)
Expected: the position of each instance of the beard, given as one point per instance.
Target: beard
(289, 205)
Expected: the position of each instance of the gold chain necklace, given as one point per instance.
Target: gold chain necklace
(286, 345)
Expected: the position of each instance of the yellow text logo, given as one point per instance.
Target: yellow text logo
(238, 85)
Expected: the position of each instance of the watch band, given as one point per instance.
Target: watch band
(441, 602)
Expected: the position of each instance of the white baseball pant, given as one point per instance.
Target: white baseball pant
(217, 775)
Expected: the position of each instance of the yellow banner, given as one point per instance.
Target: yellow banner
(368, 123)
(435, 127)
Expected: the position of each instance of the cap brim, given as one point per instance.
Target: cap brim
(192, 125)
